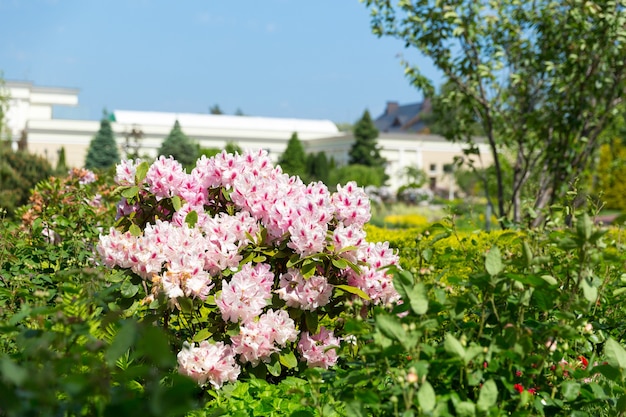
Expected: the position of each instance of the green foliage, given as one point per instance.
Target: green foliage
(293, 160)
(542, 80)
(179, 146)
(531, 329)
(61, 168)
(66, 345)
(364, 150)
(610, 175)
(19, 172)
(291, 397)
(4, 108)
(362, 174)
(231, 147)
(103, 152)
(317, 167)
(215, 109)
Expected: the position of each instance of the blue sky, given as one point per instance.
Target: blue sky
(278, 58)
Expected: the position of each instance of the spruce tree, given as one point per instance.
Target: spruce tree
(61, 168)
(365, 151)
(102, 152)
(293, 160)
(180, 146)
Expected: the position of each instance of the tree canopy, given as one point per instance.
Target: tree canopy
(180, 146)
(541, 78)
(103, 152)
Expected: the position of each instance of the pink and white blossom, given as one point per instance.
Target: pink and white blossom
(306, 294)
(319, 350)
(208, 363)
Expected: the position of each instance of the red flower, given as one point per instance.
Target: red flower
(518, 373)
(519, 388)
(583, 361)
(532, 391)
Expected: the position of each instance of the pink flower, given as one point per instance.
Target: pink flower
(257, 340)
(125, 172)
(346, 237)
(307, 237)
(208, 363)
(164, 177)
(351, 204)
(247, 293)
(319, 350)
(306, 294)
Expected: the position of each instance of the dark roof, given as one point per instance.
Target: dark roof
(402, 118)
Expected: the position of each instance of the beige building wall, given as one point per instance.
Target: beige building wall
(31, 111)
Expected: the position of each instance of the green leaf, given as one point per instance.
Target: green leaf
(339, 263)
(452, 345)
(191, 218)
(311, 321)
(130, 192)
(12, 373)
(589, 291)
(493, 261)
(293, 260)
(615, 353)
(288, 360)
(584, 226)
(124, 339)
(570, 390)
(134, 230)
(391, 327)
(418, 299)
(308, 269)
(488, 395)
(141, 172)
(128, 289)
(621, 404)
(353, 290)
(176, 203)
(426, 397)
(465, 409)
(550, 280)
(202, 335)
(274, 367)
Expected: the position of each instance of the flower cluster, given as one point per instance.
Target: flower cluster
(260, 249)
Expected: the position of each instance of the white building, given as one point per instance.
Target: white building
(31, 106)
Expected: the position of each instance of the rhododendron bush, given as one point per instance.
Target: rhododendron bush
(251, 268)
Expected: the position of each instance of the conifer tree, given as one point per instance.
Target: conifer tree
(61, 168)
(293, 160)
(180, 146)
(102, 152)
(365, 151)
(317, 167)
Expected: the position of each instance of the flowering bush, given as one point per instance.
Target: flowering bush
(246, 261)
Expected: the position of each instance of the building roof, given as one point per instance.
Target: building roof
(402, 118)
(323, 128)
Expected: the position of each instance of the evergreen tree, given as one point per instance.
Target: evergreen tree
(365, 151)
(317, 167)
(19, 172)
(232, 147)
(180, 146)
(61, 168)
(215, 109)
(102, 152)
(293, 160)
